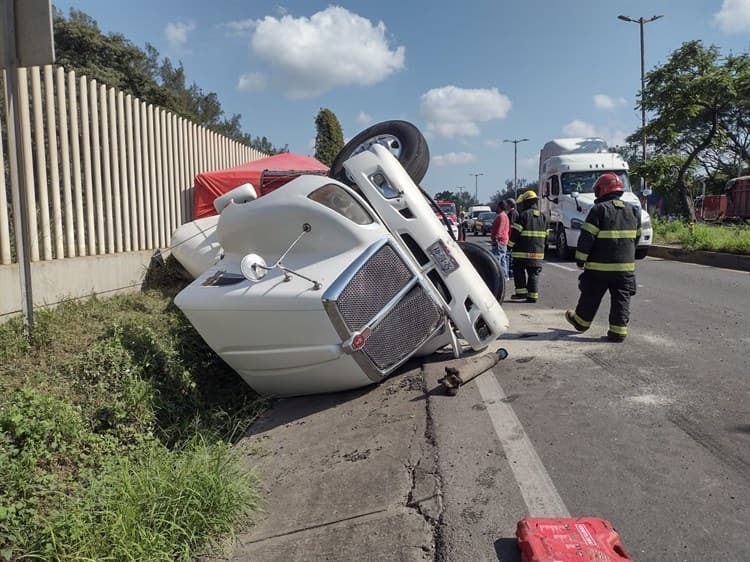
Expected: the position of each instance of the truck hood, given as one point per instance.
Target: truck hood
(586, 200)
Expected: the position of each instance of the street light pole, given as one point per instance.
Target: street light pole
(515, 164)
(476, 189)
(641, 21)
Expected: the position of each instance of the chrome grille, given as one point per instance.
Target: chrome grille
(404, 329)
(372, 288)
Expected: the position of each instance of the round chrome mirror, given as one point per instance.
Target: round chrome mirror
(253, 267)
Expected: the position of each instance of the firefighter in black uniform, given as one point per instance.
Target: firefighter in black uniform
(606, 249)
(527, 236)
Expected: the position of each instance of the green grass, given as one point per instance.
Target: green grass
(116, 425)
(734, 239)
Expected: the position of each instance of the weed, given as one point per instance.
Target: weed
(734, 239)
(116, 422)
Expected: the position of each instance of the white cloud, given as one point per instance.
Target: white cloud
(252, 82)
(331, 48)
(176, 33)
(239, 27)
(603, 101)
(578, 128)
(452, 111)
(453, 158)
(734, 16)
(364, 119)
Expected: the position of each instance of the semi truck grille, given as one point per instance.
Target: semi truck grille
(372, 287)
(364, 297)
(404, 329)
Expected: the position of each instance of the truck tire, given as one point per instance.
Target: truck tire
(401, 138)
(641, 253)
(487, 266)
(561, 242)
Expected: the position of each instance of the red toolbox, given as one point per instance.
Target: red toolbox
(569, 539)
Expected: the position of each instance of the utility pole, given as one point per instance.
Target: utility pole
(515, 164)
(641, 21)
(476, 188)
(460, 196)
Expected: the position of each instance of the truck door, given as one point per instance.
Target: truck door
(554, 196)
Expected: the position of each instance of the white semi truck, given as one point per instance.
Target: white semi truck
(568, 168)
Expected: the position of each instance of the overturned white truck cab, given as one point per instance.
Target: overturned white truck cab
(325, 286)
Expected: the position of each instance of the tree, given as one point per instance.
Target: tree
(696, 98)
(113, 60)
(329, 139)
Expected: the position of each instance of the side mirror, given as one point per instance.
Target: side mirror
(253, 267)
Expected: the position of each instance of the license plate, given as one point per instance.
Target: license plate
(442, 257)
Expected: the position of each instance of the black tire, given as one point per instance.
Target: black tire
(561, 242)
(641, 253)
(487, 266)
(400, 137)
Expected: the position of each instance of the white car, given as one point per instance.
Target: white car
(367, 279)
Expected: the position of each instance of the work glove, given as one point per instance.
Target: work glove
(580, 263)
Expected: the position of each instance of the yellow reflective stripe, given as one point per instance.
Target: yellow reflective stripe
(580, 256)
(618, 233)
(511, 243)
(621, 330)
(599, 266)
(529, 255)
(588, 227)
(517, 226)
(533, 295)
(581, 321)
(535, 233)
(521, 291)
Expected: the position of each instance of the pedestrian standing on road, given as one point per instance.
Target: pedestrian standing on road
(606, 251)
(510, 209)
(499, 236)
(527, 236)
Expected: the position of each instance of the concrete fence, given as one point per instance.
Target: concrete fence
(106, 174)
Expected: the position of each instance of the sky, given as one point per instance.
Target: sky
(468, 74)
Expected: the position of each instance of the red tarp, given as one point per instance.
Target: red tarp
(210, 185)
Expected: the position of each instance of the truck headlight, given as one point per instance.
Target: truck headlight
(576, 224)
(645, 224)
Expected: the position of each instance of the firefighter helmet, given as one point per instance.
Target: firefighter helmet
(608, 183)
(529, 195)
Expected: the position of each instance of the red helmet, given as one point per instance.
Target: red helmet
(608, 183)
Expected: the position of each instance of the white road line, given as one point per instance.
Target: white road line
(537, 489)
(565, 267)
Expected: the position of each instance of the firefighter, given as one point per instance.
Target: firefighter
(527, 237)
(606, 251)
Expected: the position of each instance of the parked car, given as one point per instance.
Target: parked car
(472, 214)
(332, 283)
(483, 224)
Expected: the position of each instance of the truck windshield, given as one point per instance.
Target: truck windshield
(583, 182)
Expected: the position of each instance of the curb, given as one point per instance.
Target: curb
(714, 259)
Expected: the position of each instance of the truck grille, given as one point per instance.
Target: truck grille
(404, 329)
(372, 287)
(364, 292)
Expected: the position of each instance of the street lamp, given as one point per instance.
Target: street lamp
(641, 21)
(476, 191)
(515, 164)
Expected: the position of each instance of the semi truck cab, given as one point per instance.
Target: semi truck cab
(568, 169)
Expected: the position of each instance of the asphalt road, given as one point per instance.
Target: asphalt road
(652, 434)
